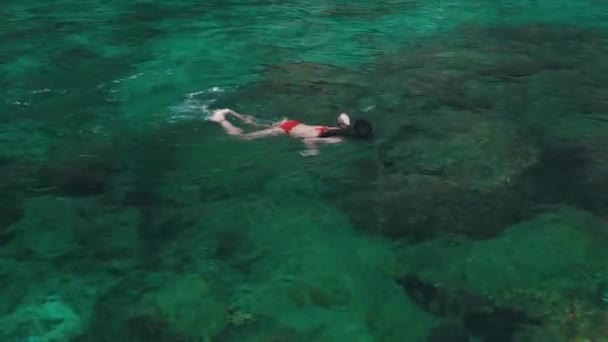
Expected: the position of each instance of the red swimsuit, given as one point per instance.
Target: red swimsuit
(321, 130)
(288, 125)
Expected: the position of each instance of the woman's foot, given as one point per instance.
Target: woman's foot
(218, 116)
(245, 118)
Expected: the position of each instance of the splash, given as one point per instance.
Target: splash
(196, 105)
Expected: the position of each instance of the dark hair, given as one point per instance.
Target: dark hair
(361, 129)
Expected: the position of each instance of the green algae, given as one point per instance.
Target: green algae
(547, 265)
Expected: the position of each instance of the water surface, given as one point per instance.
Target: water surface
(476, 213)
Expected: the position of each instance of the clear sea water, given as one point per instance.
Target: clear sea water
(477, 212)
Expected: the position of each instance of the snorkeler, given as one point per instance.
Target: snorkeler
(310, 135)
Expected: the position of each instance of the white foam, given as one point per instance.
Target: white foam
(196, 105)
(368, 108)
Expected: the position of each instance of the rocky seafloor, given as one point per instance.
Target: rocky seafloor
(477, 214)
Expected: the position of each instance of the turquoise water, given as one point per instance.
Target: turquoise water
(477, 213)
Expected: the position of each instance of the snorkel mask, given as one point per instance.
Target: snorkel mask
(343, 120)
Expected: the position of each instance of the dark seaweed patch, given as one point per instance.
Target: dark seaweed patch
(479, 316)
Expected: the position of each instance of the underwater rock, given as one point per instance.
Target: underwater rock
(471, 150)
(481, 67)
(327, 293)
(166, 308)
(11, 211)
(293, 85)
(449, 331)
(425, 184)
(83, 180)
(478, 315)
(154, 156)
(75, 234)
(80, 176)
(370, 9)
(237, 249)
(230, 243)
(430, 76)
(158, 228)
(23, 142)
(48, 228)
(147, 328)
(502, 119)
(49, 319)
(557, 47)
(110, 239)
(602, 292)
(143, 198)
(188, 306)
(19, 179)
(569, 173)
(114, 307)
(269, 329)
(314, 76)
(540, 34)
(525, 269)
(119, 167)
(518, 67)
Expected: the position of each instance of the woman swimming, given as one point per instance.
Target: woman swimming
(310, 134)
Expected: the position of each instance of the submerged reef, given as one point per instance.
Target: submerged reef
(541, 277)
(476, 135)
(477, 213)
(488, 139)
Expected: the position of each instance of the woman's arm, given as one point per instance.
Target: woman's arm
(311, 144)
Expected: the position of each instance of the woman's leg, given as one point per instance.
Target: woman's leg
(230, 128)
(263, 133)
(248, 119)
(219, 116)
